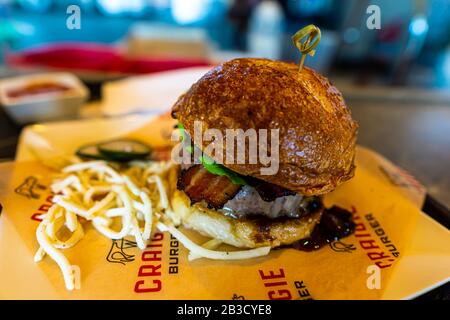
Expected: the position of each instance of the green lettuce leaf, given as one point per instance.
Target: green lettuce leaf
(213, 167)
(220, 170)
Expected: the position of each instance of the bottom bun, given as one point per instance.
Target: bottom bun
(252, 232)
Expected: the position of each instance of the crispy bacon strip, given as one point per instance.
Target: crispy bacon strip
(199, 184)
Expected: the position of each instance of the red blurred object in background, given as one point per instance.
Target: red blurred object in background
(82, 57)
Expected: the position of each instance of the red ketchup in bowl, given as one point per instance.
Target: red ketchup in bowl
(37, 89)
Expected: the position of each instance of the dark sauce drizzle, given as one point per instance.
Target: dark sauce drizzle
(336, 223)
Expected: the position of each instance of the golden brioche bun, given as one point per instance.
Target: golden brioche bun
(316, 131)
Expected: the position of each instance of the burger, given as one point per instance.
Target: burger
(235, 202)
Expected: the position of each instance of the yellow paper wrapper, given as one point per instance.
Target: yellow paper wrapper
(384, 201)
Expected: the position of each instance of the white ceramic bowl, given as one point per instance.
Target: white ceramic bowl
(48, 106)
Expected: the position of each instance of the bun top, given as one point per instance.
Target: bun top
(317, 134)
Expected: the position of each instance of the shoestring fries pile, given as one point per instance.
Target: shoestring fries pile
(99, 192)
(119, 201)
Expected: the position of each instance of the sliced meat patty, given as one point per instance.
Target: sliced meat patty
(268, 191)
(247, 232)
(248, 202)
(257, 198)
(244, 233)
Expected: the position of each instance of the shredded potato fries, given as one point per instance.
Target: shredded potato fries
(119, 202)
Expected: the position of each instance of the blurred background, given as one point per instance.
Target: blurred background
(395, 76)
(411, 48)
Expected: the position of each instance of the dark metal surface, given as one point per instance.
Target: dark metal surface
(441, 214)
(9, 133)
(414, 135)
(437, 211)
